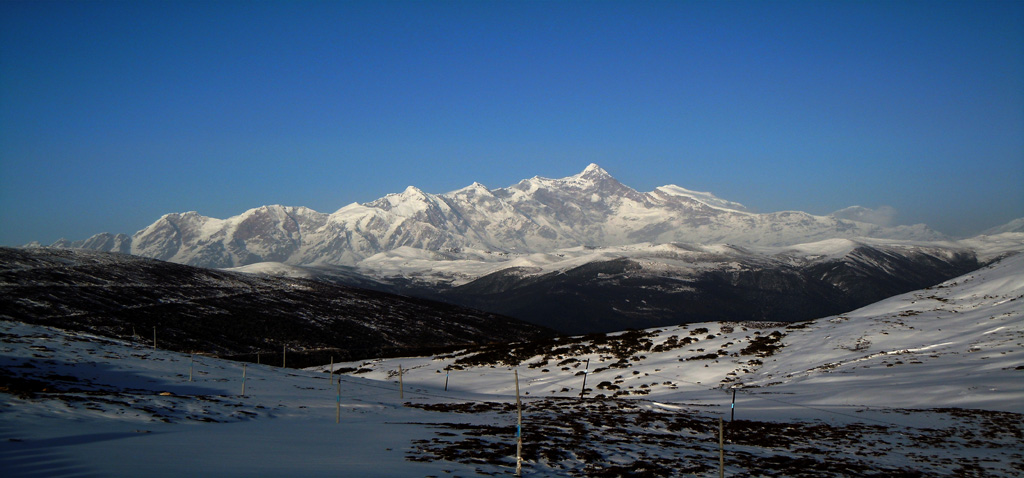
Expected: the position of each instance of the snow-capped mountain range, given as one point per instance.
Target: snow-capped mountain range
(536, 215)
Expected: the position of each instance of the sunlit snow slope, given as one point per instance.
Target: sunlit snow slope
(958, 344)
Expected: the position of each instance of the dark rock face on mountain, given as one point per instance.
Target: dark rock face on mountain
(204, 310)
(621, 294)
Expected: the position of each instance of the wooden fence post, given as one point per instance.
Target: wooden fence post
(284, 356)
(732, 415)
(586, 371)
(243, 379)
(191, 361)
(154, 337)
(519, 429)
(401, 387)
(446, 372)
(337, 413)
(721, 447)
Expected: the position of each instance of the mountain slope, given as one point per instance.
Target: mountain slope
(228, 313)
(956, 344)
(669, 284)
(924, 384)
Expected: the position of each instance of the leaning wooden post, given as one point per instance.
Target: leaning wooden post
(243, 379)
(519, 429)
(721, 447)
(401, 387)
(586, 371)
(446, 372)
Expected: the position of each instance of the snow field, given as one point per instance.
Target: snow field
(926, 382)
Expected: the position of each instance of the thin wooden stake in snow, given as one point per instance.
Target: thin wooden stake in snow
(332, 372)
(401, 387)
(721, 448)
(337, 413)
(243, 379)
(284, 356)
(154, 337)
(586, 371)
(446, 378)
(732, 412)
(519, 429)
(191, 361)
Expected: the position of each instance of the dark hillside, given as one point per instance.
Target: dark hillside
(210, 311)
(620, 294)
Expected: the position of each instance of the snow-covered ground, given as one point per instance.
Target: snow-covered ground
(80, 405)
(924, 384)
(956, 344)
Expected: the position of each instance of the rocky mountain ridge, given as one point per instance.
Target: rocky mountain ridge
(536, 215)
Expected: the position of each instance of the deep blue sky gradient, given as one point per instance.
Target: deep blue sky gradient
(115, 113)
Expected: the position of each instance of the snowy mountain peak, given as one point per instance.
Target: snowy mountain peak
(475, 188)
(1016, 225)
(594, 171)
(593, 174)
(592, 180)
(413, 191)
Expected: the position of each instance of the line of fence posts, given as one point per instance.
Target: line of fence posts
(519, 406)
(519, 412)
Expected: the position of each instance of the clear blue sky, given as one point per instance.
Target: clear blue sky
(113, 114)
